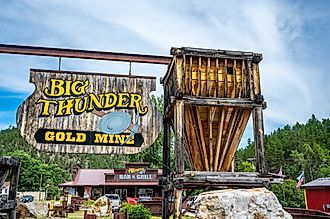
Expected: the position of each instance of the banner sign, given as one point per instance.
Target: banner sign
(75, 112)
(136, 174)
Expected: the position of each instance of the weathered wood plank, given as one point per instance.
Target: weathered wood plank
(219, 138)
(179, 136)
(203, 179)
(258, 127)
(191, 72)
(237, 138)
(219, 102)
(226, 79)
(256, 78)
(250, 76)
(210, 120)
(231, 126)
(29, 121)
(217, 77)
(235, 80)
(208, 83)
(201, 135)
(197, 139)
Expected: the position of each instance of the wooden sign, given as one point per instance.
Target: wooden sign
(75, 112)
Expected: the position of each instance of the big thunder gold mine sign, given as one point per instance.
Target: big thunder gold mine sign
(75, 112)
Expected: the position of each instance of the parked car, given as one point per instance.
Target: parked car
(115, 201)
(27, 198)
(131, 200)
(191, 204)
(144, 198)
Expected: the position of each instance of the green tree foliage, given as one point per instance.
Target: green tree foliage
(137, 211)
(245, 166)
(55, 168)
(35, 174)
(288, 194)
(295, 148)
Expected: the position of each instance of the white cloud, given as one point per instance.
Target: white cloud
(269, 27)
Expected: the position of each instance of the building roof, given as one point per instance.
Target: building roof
(320, 182)
(88, 177)
(5, 185)
(95, 177)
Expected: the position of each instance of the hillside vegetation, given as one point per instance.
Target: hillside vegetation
(292, 148)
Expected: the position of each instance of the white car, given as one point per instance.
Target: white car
(191, 204)
(115, 201)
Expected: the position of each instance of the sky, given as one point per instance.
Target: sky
(293, 37)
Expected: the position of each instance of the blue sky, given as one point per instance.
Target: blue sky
(292, 35)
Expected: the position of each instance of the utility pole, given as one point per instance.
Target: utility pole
(40, 187)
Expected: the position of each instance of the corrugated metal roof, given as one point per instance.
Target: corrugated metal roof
(320, 182)
(88, 177)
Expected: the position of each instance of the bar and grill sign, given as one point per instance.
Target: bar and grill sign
(77, 112)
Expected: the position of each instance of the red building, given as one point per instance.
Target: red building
(135, 180)
(317, 194)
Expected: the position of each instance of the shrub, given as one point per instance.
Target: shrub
(136, 211)
(88, 203)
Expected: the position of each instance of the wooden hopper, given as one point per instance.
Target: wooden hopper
(218, 90)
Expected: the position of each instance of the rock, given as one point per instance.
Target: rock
(257, 203)
(31, 209)
(39, 209)
(102, 207)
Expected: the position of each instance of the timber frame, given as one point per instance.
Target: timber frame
(10, 168)
(209, 96)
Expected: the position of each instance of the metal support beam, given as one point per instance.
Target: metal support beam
(84, 54)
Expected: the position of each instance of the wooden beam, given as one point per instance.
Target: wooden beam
(219, 102)
(183, 72)
(239, 133)
(188, 139)
(219, 138)
(258, 127)
(211, 112)
(192, 119)
(235, 80)
(232, 123)
(178, 204)
(83, 54)
(179, 74)
(191, 179)
(217, 53)
(208, 82)
(190, 72)
(217, 77)
(201, 135)
(250, 76)
(166, 167)
(199, 92)
(226, 79)
(179, 136)
(243, 80)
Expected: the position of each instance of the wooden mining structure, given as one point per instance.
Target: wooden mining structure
(209, 96)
